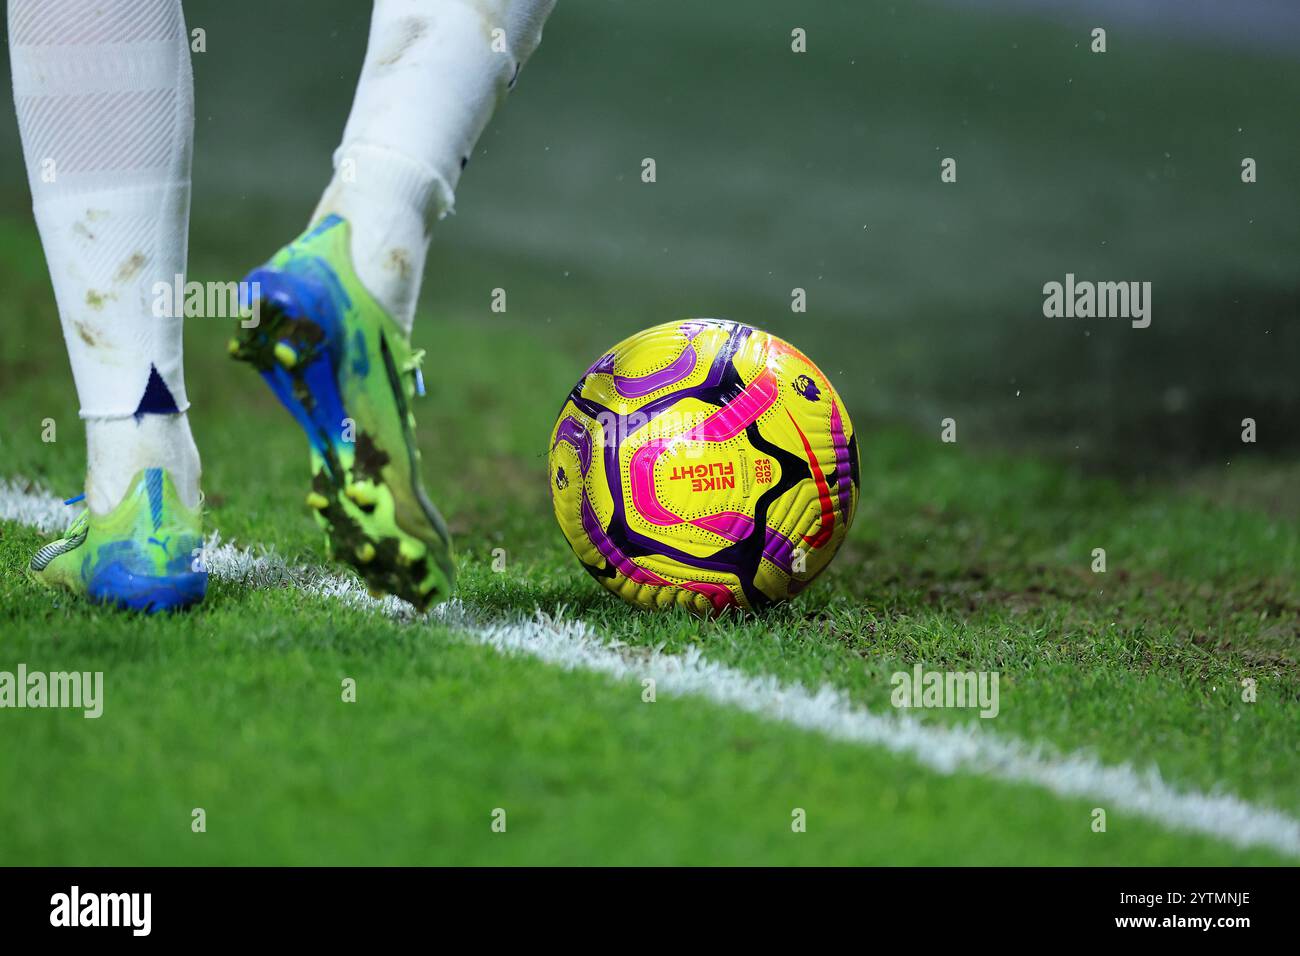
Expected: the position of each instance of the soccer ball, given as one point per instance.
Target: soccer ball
(704, 464)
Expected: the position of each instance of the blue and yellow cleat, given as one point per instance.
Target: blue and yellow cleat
(344, 369)
(141, 556)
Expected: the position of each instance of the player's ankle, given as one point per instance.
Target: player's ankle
(391, 202)
(117, 449)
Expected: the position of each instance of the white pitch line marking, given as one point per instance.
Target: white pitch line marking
(827, 710)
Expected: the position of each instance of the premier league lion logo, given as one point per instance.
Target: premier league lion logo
(806, 387)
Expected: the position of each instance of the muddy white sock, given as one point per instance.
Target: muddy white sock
(118, 448)
(105, 103)
(434, 72)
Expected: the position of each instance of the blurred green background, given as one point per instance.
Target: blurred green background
(821, 170)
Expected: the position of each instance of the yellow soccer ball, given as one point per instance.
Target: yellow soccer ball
(705, 464)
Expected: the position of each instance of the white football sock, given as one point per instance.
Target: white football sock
(434, 72)
(118, 448)
(105, 103)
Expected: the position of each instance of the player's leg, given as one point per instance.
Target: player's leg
(105, 104)
(435, 71)
(337, 303)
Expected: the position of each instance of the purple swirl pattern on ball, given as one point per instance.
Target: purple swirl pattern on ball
(571, 432)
